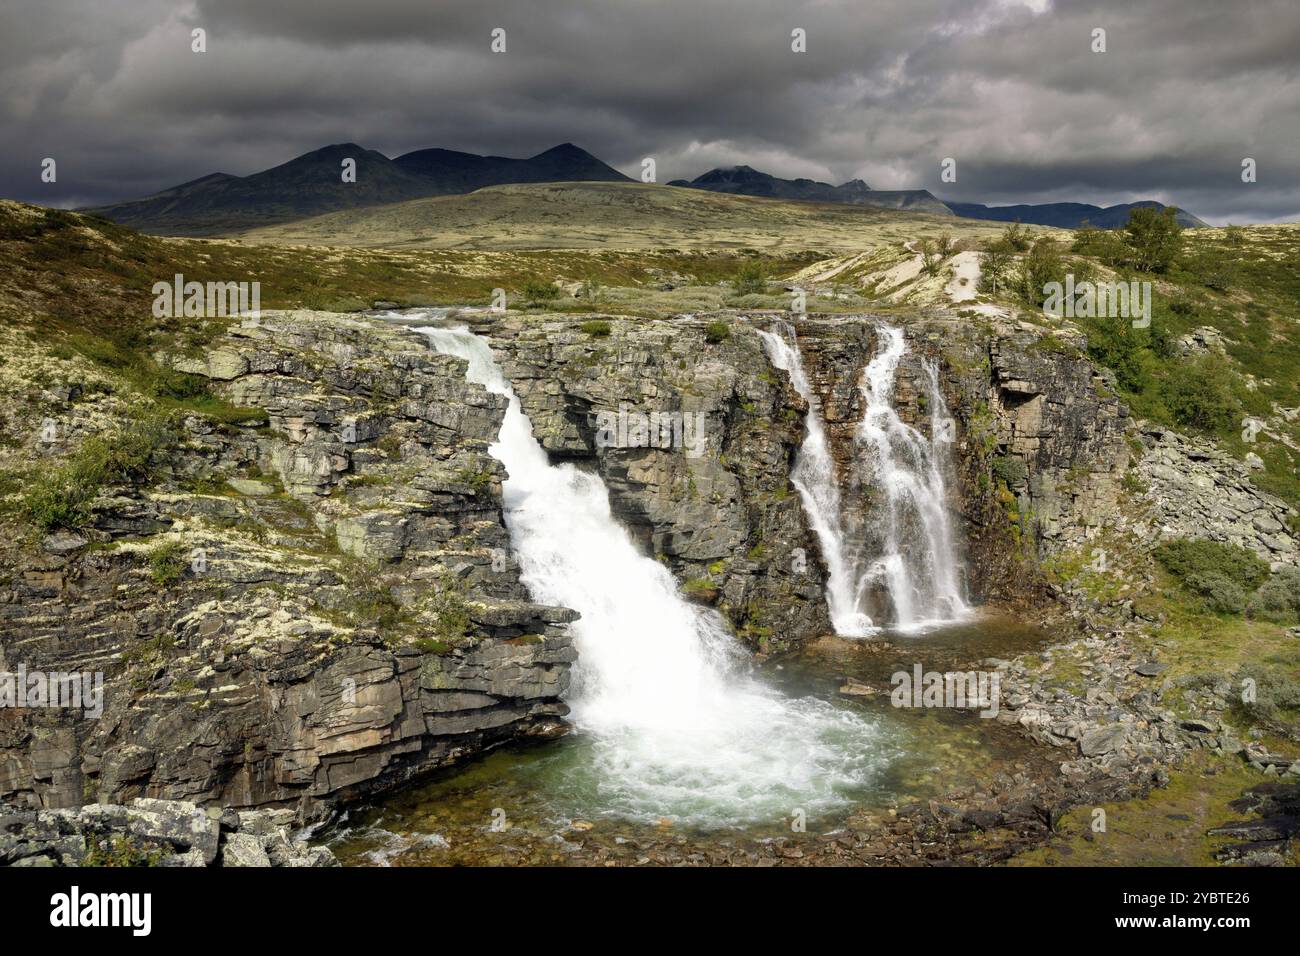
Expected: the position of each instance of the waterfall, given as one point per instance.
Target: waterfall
(813, 476)
(677, 726)
(917, 561)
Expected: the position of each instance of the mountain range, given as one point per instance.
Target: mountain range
(747, 181)
(1067, 215)
(312, 185)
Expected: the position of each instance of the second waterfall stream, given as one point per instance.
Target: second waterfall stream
(676, 725)
(914, 558)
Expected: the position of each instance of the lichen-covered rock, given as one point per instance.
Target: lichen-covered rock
(1197, 490)
(270, 612)
(155, 833)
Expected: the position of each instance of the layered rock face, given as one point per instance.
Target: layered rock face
(1015, 394)
(1044, 455)
(1039, 442)
(694, 434)
(318, 601)
(294, 613)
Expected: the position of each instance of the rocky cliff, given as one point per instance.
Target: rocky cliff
(708, 493)
(310, 597)
(292, 610)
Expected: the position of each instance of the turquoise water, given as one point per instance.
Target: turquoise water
(563, 801)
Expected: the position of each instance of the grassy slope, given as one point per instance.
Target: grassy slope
(70, 275)
(1256, 308)
(615, 216)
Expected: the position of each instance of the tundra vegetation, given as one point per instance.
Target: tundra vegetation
(1223, 346)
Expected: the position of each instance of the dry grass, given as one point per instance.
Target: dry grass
(627, 216)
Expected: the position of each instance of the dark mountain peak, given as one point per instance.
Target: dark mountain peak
(438, 152)
(203, 180)
(1066, 215)
(333, 151)
(564, 149)
(747, 181)
(563, 163)
(738, 172)
(311, 184)
(316, 162)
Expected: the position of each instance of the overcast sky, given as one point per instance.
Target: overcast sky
(887, 89)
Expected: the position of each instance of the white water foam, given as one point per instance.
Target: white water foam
(918, 564)
(813, 476)
(678, 729)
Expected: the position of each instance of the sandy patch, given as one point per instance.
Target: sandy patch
(965, 267)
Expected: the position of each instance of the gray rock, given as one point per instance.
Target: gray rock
(243, 849)
(62, 542)
(1102, 740)
(249, 486)
(181, 824)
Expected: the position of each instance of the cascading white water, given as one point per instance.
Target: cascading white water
(813, 476)
(677, 728)
(919, 564)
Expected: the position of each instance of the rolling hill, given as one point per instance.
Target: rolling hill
(311, 185)
(615, 216)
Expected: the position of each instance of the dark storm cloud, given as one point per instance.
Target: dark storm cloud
(1008, 88)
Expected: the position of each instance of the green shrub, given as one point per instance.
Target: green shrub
(995, 262)
(1154, 238)
(751, 279)
(1105, 245)
(596, 327)
(931, 257)
(450, 610)
(539, 293)
(373, 605)
(717, 331)
(1042, 264)
(167, 563)
(1010, 469)
(1278, 599)
(1200, 394)
(62, 497)
(480, 481)
(1215, 272)
(1016, 237)
(1220, 592)
(702, 588)
(1277, 697)
(1188, 558)
(120, 850)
